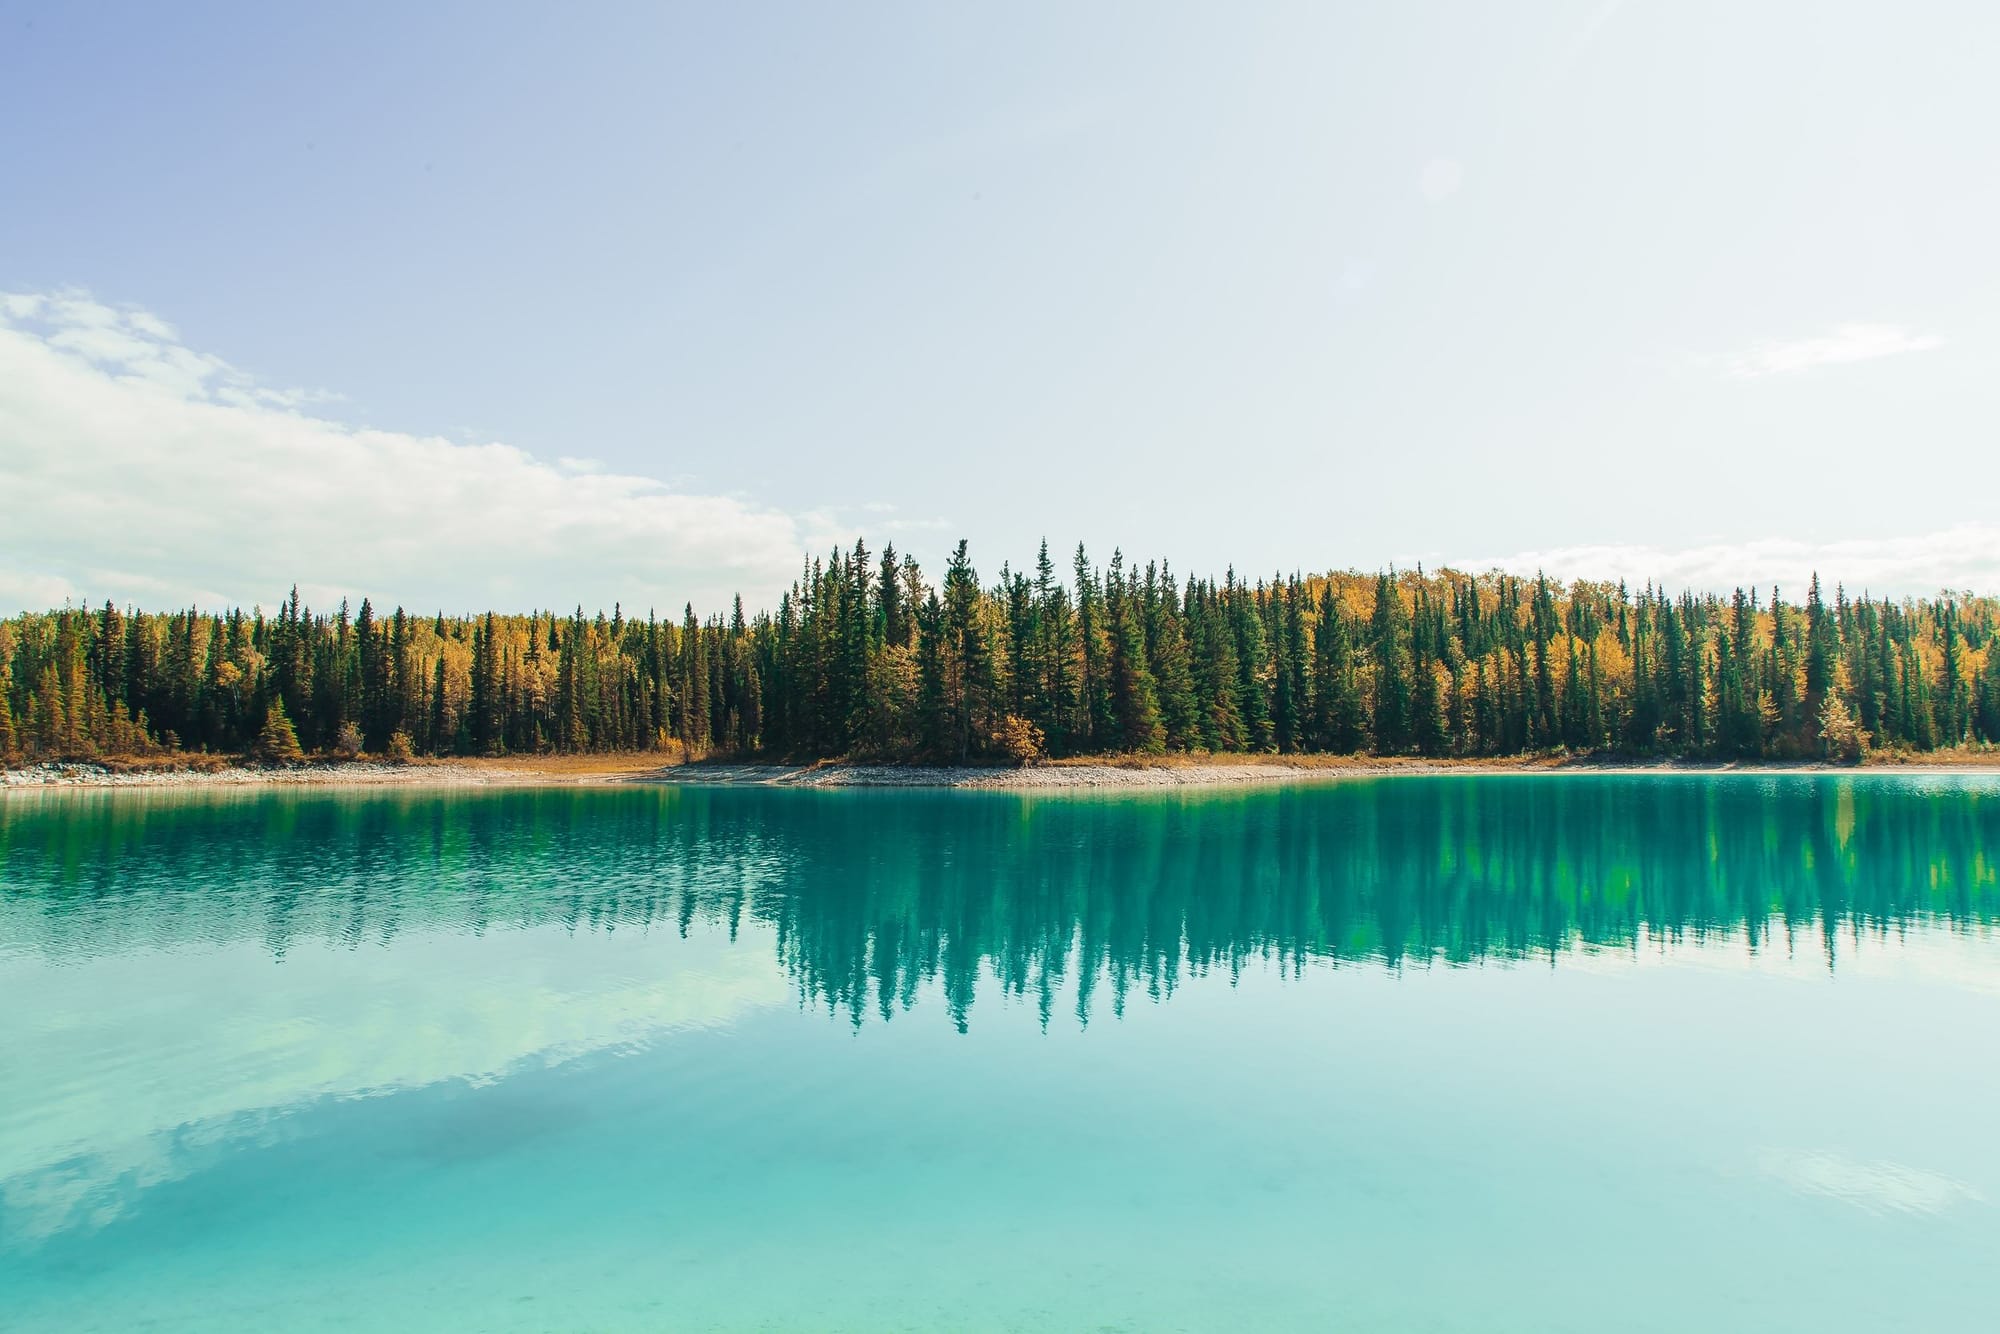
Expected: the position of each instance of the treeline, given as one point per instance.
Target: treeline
(869, 658)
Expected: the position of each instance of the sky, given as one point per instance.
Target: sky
(525, 306)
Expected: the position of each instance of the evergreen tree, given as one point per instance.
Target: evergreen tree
(1212, 645)
(1057, 646)
(1167, 655)
(9, 746)
(277, 741)
(1339, 724)
(1253, 663)
(1134, 698)
(968, 667)
(1389, 644)
(1096, 721)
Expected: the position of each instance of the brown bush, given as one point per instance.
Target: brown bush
(1017, 741)
(347, 742)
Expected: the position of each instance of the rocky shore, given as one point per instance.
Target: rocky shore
(359, 773)
(1041, 776)
(473, 773)
(517, 771)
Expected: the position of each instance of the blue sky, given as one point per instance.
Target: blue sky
(643, 302)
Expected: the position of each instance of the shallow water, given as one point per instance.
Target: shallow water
(1586, 1052)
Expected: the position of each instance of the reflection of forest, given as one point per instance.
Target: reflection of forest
(872, 895)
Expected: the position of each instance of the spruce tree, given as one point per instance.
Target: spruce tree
(1096, 723)
(968, 663)
(8, 743)
(1134, 698)
(1339, 714)
(1253, 663)
(277, 740)
(1173, 674)
(1388, 643)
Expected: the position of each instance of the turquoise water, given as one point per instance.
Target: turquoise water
(1501, 1053)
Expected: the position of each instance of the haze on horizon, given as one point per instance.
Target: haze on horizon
(497, 305)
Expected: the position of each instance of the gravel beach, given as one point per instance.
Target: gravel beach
(521, 771)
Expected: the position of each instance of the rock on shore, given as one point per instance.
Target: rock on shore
(969, 776)
(359, 772)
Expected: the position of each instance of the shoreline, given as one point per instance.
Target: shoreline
(1118, 773)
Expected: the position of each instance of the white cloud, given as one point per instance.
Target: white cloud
(138, 469)
(1963, 557)
(1844, 343)
(1440, 179)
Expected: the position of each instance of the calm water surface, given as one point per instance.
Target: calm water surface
(1503, 1053)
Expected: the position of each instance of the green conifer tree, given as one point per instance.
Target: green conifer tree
(277, 740)
(1389, 644)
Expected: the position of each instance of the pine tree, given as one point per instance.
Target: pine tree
(1390, 648)
(968, 665)
(694, 720)
(1289, 702)
(1096, 722)
(1953, 698)
(1544, 726)
(1822, 652)
(1253, 664)
(9, 744)
(895, 609)
(1339, 724)
(277, 741)
(1987, 710)
(935, 724)
(1134, 698)
(1212, 650)
(1167, 655)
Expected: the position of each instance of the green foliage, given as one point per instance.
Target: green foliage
(864, 656)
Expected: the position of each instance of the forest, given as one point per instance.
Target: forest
(868, 658)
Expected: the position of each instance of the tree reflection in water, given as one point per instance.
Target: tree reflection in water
(873, 896)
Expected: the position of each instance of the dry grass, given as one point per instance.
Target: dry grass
(605, 765)
(1958, 757)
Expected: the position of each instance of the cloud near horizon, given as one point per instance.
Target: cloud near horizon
(1844, 343)
(140, 470)
(1965, 557)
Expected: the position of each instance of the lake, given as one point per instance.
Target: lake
(1495, 1053)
